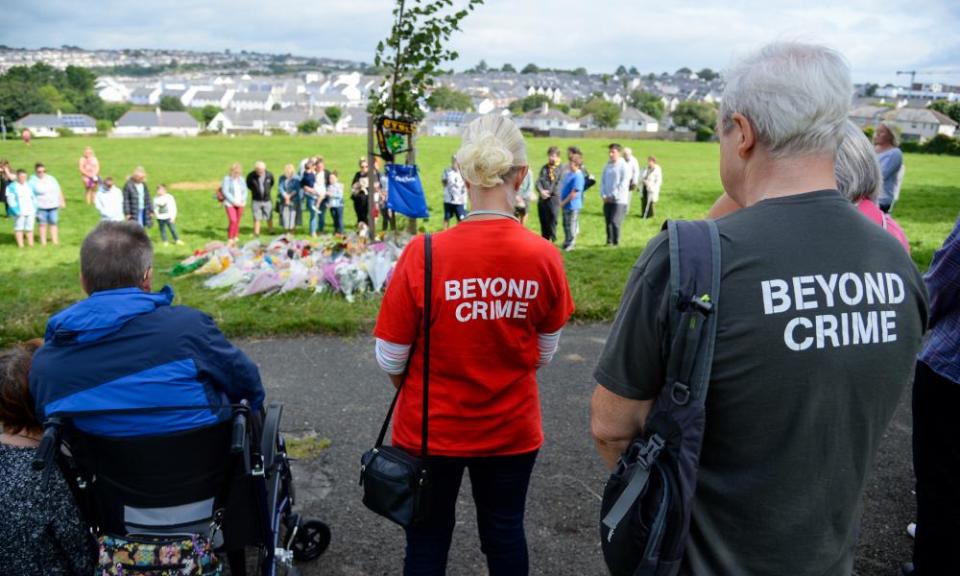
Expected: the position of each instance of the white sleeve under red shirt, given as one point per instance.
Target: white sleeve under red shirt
(500, 299)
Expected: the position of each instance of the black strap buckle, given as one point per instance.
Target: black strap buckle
(650, 450)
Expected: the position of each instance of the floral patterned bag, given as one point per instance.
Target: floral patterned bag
(173, 556)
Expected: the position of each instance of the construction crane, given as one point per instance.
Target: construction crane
(911, 73)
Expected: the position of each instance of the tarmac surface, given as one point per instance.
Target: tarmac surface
(332, 386)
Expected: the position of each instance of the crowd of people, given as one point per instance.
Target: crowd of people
(819, 328)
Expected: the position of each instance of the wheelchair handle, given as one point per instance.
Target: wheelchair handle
(48, 444)
(238, 439)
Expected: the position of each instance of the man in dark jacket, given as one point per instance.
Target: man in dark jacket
(125, 347)
(548, 185)
(260, 183)
(136, 198)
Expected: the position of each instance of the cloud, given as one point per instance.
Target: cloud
(878, 37)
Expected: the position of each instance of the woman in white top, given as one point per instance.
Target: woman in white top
(234, 189)
(652, 179)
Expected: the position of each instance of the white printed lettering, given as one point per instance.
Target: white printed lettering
(895, 289)
(876, 290)
(498, 287)
(789, 334)
(452, 290)
(775, 298)
(533, 290)
(888, 325)
(463, 312)
(828, 287)
(469, 290)
(827, 328)
(520, 310)
(845, 280)
(801, 290)
(865, 333)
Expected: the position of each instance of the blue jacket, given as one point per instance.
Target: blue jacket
(126, 348)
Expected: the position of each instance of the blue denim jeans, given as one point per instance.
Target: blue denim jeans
(336, 212)
(318, 217)
(500, 493)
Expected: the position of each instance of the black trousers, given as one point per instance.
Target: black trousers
(613, 214)
(936, 462)
(549, 213)
(361, 209)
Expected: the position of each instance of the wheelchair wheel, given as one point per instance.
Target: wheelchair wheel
(312, 540)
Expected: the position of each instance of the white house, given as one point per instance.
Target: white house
(446, 123)
(145, 96)
(544, 119)
(920, 124)
(46, 125)
(252, 101)
(633, 120)
(218, 98)
(869, 115)
(110, 90)
(260, 121)
(156, 123)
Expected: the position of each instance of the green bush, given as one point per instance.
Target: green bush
(308, 127)
(65, 132)
(942, 144)
(910, 147)
(104, 127)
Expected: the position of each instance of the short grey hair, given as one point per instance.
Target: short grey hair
(796, 97)
(857, 170)
(115, 255)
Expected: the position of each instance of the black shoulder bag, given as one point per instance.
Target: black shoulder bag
(395, 483)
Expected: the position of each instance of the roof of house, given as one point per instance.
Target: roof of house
(57, 121)
(550, 114)
(142, 92)
(868, 111)
(249, 117)
(211, 95)
(157, 120)
(634, 114)
(251, 96)
(919, 115)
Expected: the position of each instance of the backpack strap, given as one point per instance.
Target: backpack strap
(694, 295)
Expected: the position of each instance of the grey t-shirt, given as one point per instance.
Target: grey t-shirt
(820, 318)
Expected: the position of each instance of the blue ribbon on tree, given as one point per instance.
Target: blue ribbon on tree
(405, 192)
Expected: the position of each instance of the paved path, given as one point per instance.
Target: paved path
(332, 386)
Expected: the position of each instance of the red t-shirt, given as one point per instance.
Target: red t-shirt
(496, 285)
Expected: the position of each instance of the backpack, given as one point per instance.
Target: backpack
(645, 512)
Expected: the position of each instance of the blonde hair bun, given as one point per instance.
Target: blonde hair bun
(492, 147)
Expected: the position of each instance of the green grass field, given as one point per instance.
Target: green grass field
(40, 281)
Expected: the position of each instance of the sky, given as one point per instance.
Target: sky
(878, 37)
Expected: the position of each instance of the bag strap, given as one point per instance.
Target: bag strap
(694, 295)
(427, 297)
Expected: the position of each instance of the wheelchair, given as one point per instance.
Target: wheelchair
(229, 482)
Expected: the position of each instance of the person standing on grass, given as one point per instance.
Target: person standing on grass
(936, 433)
(260, 185)
(360, 190)
(109, 201)
(652, 179)
(886, 143)
(22, 205)
(634, 168)
(454, 194)
(335, 198)
(7, 177)
(165, 211)
(234, 189)
(288, 195)
(136, 198)
(49, 202)
(89, 173)
(615, 193)
(820, 317)
(571, 199)
(523, 198)
(548, 187)
(484, 411)
(317, 197)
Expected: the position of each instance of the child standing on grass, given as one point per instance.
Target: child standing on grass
(109, 201)
(335, 196)
(22, 205)
(165, 211)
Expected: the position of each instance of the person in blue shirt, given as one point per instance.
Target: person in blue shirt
(890, 157)
(125, 347)
(571, 199)
(936, 431)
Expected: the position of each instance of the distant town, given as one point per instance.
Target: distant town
(184, 93)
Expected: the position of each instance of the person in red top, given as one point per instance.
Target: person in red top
(500, 300)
